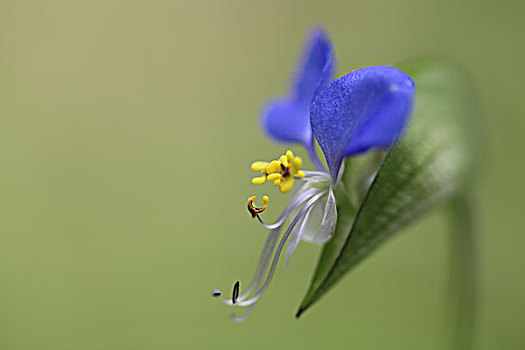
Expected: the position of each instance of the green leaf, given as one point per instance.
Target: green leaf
(428, 166)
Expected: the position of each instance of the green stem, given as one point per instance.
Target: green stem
(463, 281)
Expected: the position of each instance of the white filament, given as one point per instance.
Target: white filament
(315, 194)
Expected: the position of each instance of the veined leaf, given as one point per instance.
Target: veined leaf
(428, 166)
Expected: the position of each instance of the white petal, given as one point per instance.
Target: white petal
(326, 225)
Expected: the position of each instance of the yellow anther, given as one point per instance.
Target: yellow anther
(289, 156)
(286, 185)
(273, 177)
(259, 165)
(298, 163)
(254, 211)
(273, 167)
(281, 172)
(259, 180)
(283, 160)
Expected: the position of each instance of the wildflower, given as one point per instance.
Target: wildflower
(363, 110)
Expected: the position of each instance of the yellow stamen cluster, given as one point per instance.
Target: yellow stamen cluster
(281, 171)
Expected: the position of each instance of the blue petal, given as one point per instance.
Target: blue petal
(365, 109)
(316, 67)
(288, 119)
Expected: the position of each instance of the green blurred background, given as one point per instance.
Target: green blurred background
(126, 133)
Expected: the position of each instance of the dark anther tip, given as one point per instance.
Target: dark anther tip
(235, 293)
(299, 313)
(216, 293)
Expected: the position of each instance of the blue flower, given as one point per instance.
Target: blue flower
(365, 109)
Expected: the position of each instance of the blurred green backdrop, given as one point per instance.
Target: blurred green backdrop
(126, 133)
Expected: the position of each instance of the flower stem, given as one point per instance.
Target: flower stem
(463, 273)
